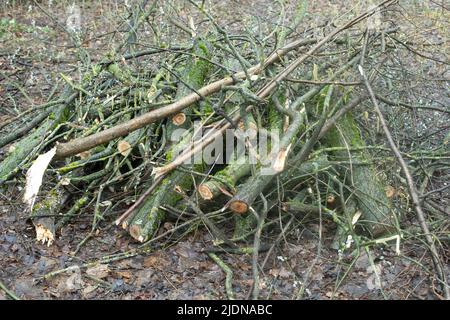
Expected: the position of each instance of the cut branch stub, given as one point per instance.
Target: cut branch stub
(239, 206)
(205, 191)
(179, 119)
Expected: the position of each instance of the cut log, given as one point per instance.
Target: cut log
(224, 181)
(377, 213)
(143, 224)
(256, 184)
(22, 149)
(149, 217)
(239, 165)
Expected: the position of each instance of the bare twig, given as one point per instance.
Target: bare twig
(411, 188)
(8, 292)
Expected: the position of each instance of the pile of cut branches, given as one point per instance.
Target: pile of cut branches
(222, 126)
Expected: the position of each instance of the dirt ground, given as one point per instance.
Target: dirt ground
(33, 51)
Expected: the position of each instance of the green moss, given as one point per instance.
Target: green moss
(149, 216)
(195, 73)
(21, 150)
(121, 73)
(206, 108)
(48, 205)
(243, 225)
(71, 166)
(369, 189)
(226, 175)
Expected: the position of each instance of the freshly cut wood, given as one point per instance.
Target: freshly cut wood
(124, 148)
(179, 119)
(256, 184)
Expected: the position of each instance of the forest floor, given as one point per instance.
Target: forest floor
(33, 53)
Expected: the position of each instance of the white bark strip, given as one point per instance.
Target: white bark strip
(34, 177)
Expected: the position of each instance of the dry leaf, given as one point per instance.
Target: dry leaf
(124, 274)
(5, 117)
(157, 261)
(72, 283)
(315, 72)
(366, 116)
(192, 26)
(150, 262)
(282, 273)
(168, 225)
(124, 148)
(99, 271)
(89, 289)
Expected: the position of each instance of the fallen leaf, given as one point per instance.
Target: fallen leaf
(89, 289)
(124, 274)
(362, 261)
(282, 272)
(150, 262)
(73, 283)
(356, 217)
(143, 277)
(99, 271)
(4, 117)
(28, 288)
(315, 72)
(245, 266)
(168, 226)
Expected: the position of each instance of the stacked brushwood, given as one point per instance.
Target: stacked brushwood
(127, 134)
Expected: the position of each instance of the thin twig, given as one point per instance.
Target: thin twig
(256, 244)
(228, 272)
(8, 292)
(411, 188)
